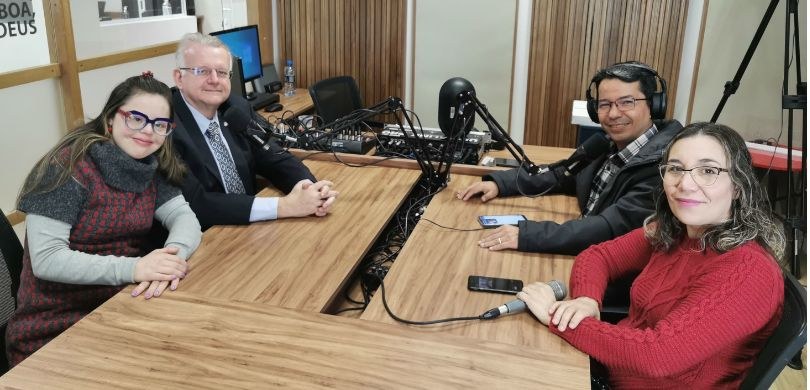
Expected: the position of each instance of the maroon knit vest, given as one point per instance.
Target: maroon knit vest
(113, 222)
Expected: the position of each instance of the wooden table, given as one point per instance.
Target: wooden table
(181, 340)
(228, 325)
(301, 262)
(428, 280)
(294, 105)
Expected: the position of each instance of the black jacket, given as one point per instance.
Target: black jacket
(622, 206)
(202, 186)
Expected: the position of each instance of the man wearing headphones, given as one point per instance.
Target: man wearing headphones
(615, 191)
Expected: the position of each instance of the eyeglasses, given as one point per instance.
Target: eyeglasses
(205, 71)
(703, 176)
(622, 104)
(137, 121)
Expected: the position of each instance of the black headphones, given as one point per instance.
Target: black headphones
(658, 100)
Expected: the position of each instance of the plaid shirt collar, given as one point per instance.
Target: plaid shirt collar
(613, 164)
(623, 156)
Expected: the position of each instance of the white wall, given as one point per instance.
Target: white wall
(32, 124)
(222, 14)
(97, 84)
(755, 110)
(688, 57)
(520, 86)
(473, 39)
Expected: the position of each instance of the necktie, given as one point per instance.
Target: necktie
(230, 178)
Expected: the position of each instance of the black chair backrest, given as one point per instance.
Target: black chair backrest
(787, 340)
(12, 252)
(335, 97)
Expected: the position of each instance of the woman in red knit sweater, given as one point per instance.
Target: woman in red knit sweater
(710, 289)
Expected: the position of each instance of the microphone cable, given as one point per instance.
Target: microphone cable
(520, 190)
(452, 228)
(410, 322)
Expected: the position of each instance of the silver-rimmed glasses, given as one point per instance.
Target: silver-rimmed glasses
(703, 176)
(205, 71)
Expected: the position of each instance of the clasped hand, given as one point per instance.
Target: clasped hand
(159, 269)
(540, 300)
(308, 198)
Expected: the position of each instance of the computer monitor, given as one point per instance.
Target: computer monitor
(244, 43)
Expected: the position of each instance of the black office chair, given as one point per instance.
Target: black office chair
(616, 301)
(335, 97)
(11, 253)
(787, 340)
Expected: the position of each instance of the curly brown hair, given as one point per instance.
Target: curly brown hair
(751, 218)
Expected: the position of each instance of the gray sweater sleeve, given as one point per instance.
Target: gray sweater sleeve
(184, 228)
(53, 260)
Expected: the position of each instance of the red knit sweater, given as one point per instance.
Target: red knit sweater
(697, 319)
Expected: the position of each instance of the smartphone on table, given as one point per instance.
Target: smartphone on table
(496, 285)
(506, 162)
(493, 221)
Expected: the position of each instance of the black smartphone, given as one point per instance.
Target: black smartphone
(493, 221)
(506, 162)
(496, 285)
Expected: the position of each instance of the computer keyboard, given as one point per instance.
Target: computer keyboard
(263, 100)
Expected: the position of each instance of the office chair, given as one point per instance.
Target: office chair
(11, 253)
(787, 340)
(335, 97)
(616, 301)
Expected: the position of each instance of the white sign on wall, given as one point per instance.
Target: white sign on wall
(23, 39)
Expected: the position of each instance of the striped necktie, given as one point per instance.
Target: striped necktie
(230, 178)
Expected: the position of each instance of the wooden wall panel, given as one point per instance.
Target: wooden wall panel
(572, 39)
(361, 38)
(260, 12)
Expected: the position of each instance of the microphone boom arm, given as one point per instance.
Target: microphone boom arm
(499, 133)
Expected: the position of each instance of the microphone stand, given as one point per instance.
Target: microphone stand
(795, 215)
(496, 130)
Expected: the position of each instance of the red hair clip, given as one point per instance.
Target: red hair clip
(148, 74)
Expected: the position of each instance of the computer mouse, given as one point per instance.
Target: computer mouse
(273, 107)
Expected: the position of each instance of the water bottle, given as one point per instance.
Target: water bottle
(289, 79)
(167, 8)
(125, 12)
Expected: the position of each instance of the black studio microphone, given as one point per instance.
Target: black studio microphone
(590, 150)
(268, 128)
(449, 95)
(240, 120)
(518, 306)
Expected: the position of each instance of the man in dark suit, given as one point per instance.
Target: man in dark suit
(222, 162)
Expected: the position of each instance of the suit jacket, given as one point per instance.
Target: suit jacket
(622, 206)
(202, 186)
